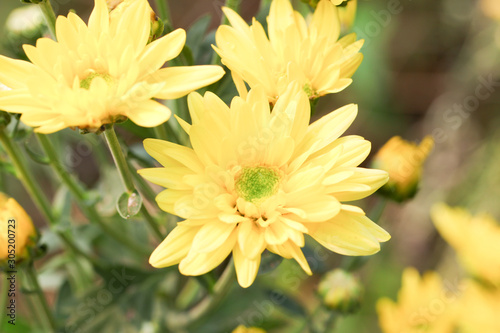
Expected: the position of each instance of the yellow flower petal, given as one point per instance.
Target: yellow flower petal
(200, 263)
(211, 236)
(150, 114)
(161, 50)
(174, 248)
(246, 269)
(180, 81)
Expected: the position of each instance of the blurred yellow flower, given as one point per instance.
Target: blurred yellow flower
(476, 239)
(403, 161)
(257, 180)
(308, 54)
(243, 329)
(423, 306)
(479, 310)
(491, 8)
(15, 224)
(96, 74)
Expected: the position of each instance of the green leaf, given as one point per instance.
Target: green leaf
(129, 204)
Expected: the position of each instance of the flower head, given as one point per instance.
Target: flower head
(257, 180)
(93, 75)
(476, 239)
(308, 54)
(403, 161)
(415, 311)
(14, 218)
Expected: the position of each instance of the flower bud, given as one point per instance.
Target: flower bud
(243, 329)
(17, 232)
(403, 161)
(24, 25)
(341, 291)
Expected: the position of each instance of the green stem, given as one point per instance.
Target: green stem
(31, 275)
(126, 175)
(378, 210)
(26, 177)
(81, 197)
(119, 158)
(50, 16)
(161, 132)
(176, 320)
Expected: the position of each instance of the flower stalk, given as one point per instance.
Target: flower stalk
(35, 288)
(126, 175)
(50, 16)
(81, 197)
(36, 193)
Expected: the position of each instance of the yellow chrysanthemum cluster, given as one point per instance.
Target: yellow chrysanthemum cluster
(425, 305)
(258, 176)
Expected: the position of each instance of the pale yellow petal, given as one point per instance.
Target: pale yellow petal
(251, 239)
(325, 21)
(200, 263)
(149, 114)
(161, 50)
(361, 184)
(169, 177)
(99, 18)
(246, 269)
(211, 236)
(166, 152)
(174, 248)
(14, 72)
(180, 81)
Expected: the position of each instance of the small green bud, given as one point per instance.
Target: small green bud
(341, 291)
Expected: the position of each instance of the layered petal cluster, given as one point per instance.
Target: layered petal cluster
(257, 180)
(310, 54)
(476, 239)
(96, 73)
(423, 306)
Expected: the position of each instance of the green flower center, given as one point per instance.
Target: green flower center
(85, 83)
(255, 184)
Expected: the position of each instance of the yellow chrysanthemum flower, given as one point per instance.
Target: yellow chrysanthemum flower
(403, 161)
(97, 73)
(423, 306)
(479, 310)
(257, 180)
(15, 224)
(476, 239)
(308, 54)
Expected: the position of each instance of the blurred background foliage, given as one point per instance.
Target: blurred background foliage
(430, 67)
